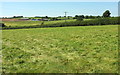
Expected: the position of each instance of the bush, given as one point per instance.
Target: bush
(79, 19)
(2, 25)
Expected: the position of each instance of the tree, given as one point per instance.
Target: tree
(17, 16)
(2, 25)
(54, 19)
(76, 16)
(91, 17)
(98, 16)
(59, 16)
(86, 17)
(79, 18)
(106, 13)
(82, 16)
(46, 16)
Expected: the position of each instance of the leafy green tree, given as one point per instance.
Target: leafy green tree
(76, 16)
(82, 16)
(91, 17)
(2, 25)
(46, 16)
(79, 18)
(86, 17)
(98, 16)
(54, 19)
(106, 13)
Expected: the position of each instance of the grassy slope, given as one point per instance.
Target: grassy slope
(91, 49)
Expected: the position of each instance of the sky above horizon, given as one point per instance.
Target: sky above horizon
(31, 9)
(59, 0)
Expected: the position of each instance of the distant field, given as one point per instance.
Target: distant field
(91, 49)
(31, 23)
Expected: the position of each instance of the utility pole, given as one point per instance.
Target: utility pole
(65, 16)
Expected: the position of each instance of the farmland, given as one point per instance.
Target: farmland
(59, 23)
(32, 23)
(90, 49)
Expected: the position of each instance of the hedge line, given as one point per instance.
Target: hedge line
(100, 21)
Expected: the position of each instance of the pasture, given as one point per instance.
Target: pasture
(32, 23)
(87, 49)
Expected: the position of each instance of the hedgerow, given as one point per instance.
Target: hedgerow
(99, 21)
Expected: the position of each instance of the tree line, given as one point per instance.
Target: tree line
(81, 17)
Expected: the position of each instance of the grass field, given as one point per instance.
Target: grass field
(31, 23)
(91, 49)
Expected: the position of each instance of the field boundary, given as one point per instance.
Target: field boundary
(38, 26)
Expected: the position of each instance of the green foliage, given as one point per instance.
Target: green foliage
(62, 23)
(17, 16)
(85, 49)
(2, 25)
(91, 17)
(106, 13)
(79, 19)
(32, 23)
(86, 17)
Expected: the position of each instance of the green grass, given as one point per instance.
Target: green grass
(22, 23)
(32, 23)
(91, 49)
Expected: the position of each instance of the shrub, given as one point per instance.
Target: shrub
(2, 25)
(79, 19)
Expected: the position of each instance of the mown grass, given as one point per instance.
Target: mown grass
(91, 49)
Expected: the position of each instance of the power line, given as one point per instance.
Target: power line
(65, 15)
